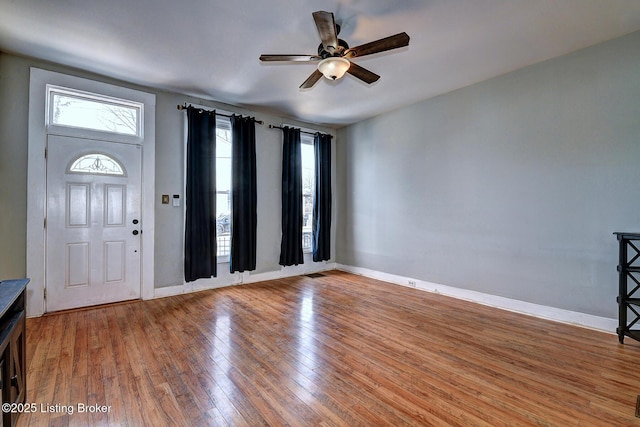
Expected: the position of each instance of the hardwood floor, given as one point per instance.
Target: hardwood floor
(335, 350)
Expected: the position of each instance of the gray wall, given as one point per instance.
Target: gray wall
(511, 187)
(14, 103)
(14, 115)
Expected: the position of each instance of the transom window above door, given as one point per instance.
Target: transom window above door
(69, 108)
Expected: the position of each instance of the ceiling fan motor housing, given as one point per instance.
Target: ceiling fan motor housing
(339, 51)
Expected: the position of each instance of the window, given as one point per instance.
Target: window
(223, 187)
(96, 163)
(83, 110)
(308, 189)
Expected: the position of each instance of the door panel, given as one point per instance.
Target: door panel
(92, 241)
(115, 203)
(77, 205)
(114, 261)
(77, 264)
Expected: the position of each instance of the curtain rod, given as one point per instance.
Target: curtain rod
(301, 131)
(184, 107)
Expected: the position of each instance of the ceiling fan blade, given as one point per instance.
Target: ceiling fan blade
(326, 26)
(387, 43)
(362, 73)
(290, 58)
(311, 80)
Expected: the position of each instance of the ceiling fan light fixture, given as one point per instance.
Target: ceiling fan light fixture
(334, 67)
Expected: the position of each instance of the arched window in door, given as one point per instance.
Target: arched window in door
(96, 163)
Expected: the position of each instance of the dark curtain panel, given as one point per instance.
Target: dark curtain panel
(243, 194)
(321, 226)
(291, 245)
(200, 199)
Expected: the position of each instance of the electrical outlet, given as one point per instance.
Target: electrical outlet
(412, 283)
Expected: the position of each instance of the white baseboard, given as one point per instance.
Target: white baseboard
(243, 278)
(603, 324)
(196, 286)
(294, 270)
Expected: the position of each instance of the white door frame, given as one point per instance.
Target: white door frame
(36, 179)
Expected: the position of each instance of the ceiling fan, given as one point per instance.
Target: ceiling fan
(334, 54)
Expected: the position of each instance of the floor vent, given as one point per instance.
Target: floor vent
(638, 406)
(315, 275)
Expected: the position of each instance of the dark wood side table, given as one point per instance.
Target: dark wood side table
(13, 376)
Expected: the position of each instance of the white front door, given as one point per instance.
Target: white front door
(93, 222)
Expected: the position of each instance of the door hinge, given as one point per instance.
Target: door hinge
(45, 152)
(45, 293)
(45, 223)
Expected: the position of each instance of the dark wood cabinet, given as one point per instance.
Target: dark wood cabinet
(12, 346)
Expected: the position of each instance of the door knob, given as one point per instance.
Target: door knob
(135, 221)
(135, 232)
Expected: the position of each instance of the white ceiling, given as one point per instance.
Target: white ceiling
(210, 48)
